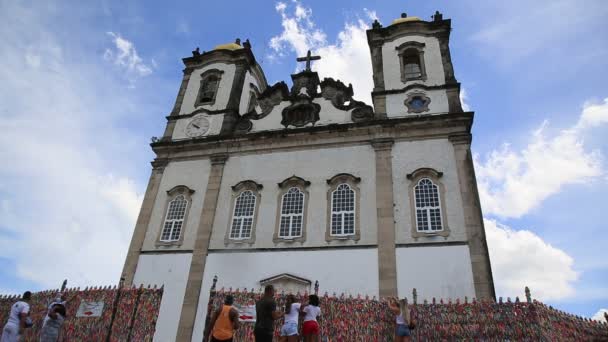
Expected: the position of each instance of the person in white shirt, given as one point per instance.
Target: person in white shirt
(53, 320)
(310, 328)
(289, 330)
(18, 319)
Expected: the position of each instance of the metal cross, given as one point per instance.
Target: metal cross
(307, 59)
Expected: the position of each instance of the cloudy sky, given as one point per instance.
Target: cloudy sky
(84, 85)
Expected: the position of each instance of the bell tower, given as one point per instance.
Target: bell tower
(412, 67)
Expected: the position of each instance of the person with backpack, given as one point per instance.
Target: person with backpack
(224, 322)
(18, 319)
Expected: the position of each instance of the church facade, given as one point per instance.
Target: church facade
(260, 184)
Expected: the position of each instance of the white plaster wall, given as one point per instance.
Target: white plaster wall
(328, 115)
(193, 174)
(315, 166)
(437, 154)
(170, 271)
(351, 271)
(440, 272)
(249, 79)
(395, 103)
(432, 62)
(221, 99)
(215, 125)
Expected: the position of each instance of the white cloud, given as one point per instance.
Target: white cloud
(599, 316)
(348, 59)
(125, 55)
(507, 33)
(464, 99)
(68, 201)
(521, 258)
(511, 183)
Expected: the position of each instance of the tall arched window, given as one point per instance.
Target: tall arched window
(343, 211)
(292, 213)
(174, 220)
(411, 58)
(343, 208)
(411, 64)
(291, 210)
(428, 206)
(177, 206)
(210, 82)
(242, 217)
(245, 204)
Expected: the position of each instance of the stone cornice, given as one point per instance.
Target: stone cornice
(422, 28)
(414, 127)
(417, 86)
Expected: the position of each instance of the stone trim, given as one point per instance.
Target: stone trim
(232, 115)
(168, 251)
(434, 176)
(237, 190)
(171, 195)
(382, 35)
(425, 106)
(201, 246)
(285, 276)
(284, 186)
(446, 58)
(204, 76)
(289, 249)
(409, 87)
(387, 260)
(432, 244)
(473, 218)
(141, 226)
(402, 49)
(333, 182)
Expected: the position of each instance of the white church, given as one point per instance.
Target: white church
(259, 184)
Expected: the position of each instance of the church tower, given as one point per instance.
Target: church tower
(412, 67)
(259, 184)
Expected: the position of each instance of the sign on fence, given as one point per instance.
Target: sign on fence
(90, 309)
(246, 312)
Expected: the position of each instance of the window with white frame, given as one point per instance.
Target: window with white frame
(174, 220)
(292, 213)
(242, 217)
(428, 207)
(343, 211)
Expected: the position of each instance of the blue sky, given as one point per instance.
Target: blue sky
(86, 84)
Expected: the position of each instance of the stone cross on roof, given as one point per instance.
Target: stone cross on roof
(307, 59)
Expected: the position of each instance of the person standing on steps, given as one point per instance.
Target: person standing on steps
(18, 319)
(266, 312)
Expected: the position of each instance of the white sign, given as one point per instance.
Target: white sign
(246, 313)
(89, 309)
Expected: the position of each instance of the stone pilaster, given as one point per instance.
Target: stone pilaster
(201, 245)
(387, 261)
(143, 220)
(473, 218)
(178, 104)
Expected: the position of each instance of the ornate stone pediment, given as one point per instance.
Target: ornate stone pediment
(301, 112)
(339, 94)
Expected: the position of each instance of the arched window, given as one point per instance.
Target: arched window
(174, 220)
(292, 213)
(343, 211)
(428, 206)
(242, 217)
(178, 202)
(210, 82)
(343, 208)
(411, 58)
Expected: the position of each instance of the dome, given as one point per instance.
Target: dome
(229, 46)
(404, 20)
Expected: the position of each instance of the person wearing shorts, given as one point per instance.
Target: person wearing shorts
(402, 319)
(310, 328)
(289, 330)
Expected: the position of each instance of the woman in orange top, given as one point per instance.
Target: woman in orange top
(224, 322)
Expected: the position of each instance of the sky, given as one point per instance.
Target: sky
(86, 84)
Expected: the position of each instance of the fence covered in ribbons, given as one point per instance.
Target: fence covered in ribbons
(126, 314)
(347, 318)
